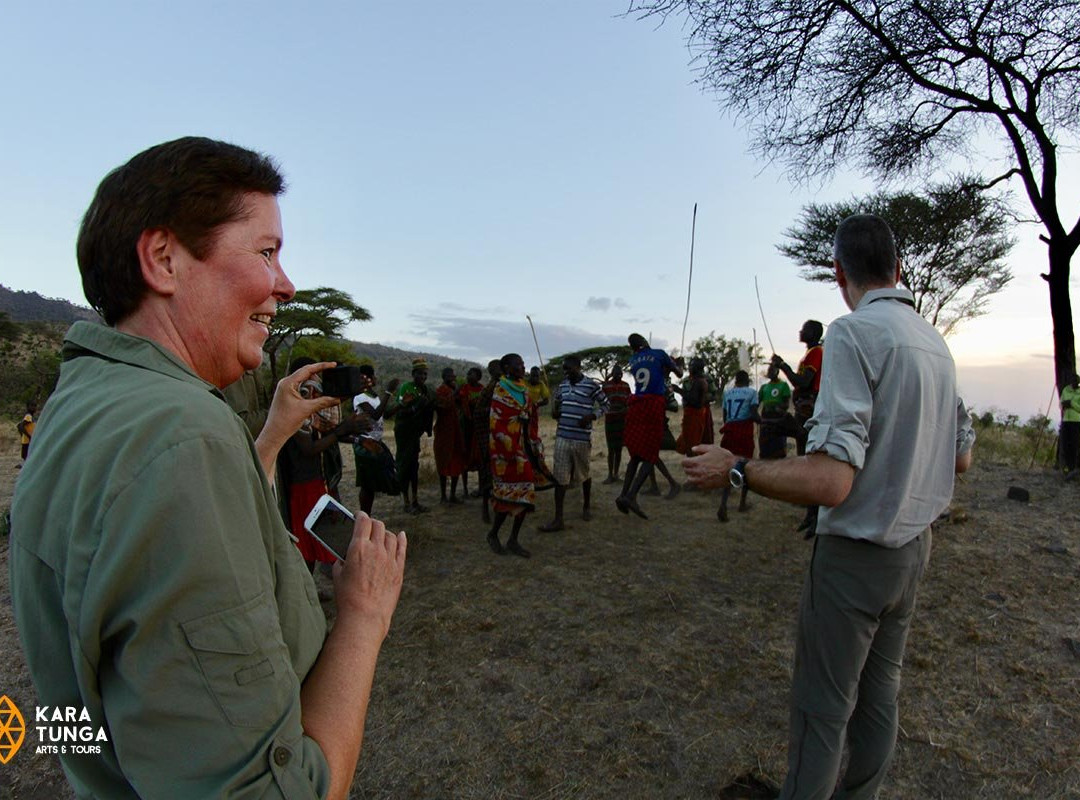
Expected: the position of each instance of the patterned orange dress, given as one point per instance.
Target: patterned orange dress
(516, 453)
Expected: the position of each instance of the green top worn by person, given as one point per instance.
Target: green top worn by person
(163, 594)
(774, 395)
(413, 410)
(413, 407)
(1070, 401)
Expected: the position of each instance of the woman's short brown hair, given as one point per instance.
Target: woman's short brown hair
(191, 186)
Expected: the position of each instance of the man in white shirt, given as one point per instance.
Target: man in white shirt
(887, 435)
(375, 468)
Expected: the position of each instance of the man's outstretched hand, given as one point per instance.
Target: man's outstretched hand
(709, 466)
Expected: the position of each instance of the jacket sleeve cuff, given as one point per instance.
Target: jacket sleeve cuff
(299, 767)
(836, 443)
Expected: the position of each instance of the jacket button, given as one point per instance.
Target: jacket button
(281, 756)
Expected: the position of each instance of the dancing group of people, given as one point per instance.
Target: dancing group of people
(492, 429)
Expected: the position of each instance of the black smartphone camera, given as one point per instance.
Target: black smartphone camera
(343, 381)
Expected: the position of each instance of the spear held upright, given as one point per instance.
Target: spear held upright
(762, 310)
(689, 281)
(537, 343)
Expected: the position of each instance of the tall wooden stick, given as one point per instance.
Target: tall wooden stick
(762, 310)
(689, 281)
(537, 343)
(754, 361)
(1053, 394)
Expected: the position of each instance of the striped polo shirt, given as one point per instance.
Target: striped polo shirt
(574, 401)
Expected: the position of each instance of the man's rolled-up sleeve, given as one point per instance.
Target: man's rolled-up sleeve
(840, 425)
(965, 431)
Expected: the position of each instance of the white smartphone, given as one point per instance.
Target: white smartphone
(331, 524)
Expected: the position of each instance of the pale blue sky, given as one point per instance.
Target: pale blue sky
(454, 167)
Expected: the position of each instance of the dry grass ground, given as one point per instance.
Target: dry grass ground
(651, 659)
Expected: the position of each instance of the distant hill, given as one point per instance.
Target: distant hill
(32, 307)
(393, 362)
(389, 362)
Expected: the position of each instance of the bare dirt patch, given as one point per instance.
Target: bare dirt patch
(651, 659)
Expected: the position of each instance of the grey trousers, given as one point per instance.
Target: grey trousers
(857, 603)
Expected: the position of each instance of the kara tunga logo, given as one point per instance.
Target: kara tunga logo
(67, 729)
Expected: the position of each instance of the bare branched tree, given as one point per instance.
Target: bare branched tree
(895, 85)
(952, 241)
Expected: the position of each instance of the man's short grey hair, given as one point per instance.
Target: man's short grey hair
(864, 246)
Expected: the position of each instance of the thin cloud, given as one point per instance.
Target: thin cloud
(460, 309)
(605, 303)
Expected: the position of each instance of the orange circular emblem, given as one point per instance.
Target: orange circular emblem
(12, 729)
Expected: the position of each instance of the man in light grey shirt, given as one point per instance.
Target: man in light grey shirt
(887, 436)
(890, 376)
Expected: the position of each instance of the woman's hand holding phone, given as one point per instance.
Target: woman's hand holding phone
(367, 584)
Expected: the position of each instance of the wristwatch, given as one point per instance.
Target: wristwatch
(737, 474)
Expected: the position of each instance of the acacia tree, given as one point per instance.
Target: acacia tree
(311, 312)
(952, 243)
(600, 360)
(321, 348)
(722, 357)
(896, 85)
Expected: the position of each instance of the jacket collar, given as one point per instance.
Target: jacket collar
(89, 338)
(895, 293)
